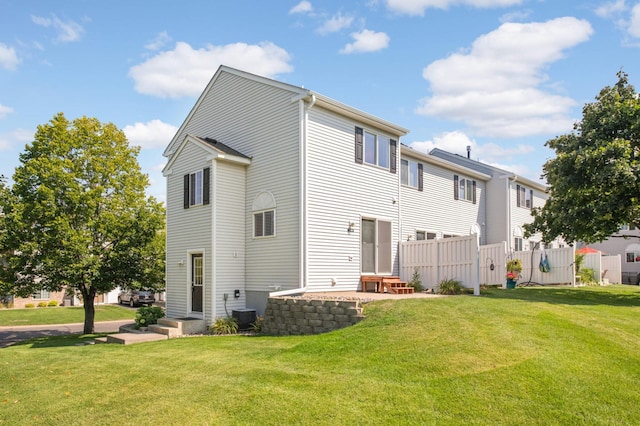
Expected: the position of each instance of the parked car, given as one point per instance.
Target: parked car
(136, 297)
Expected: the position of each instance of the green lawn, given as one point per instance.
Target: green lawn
(556, 356)
(61, 315)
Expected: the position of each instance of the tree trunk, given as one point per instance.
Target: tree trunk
(89, 312)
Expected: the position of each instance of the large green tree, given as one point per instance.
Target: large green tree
(594, 179)
(77, 217)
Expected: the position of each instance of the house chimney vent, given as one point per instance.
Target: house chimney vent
(468, 151)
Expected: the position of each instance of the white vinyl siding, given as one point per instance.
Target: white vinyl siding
(260, 121)
(229, 237)
(187, 229)
(435, 210)
(341, 192)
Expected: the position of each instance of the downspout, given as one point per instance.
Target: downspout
(511, 178)
(304, 127)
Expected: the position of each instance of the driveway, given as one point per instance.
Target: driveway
(11, 335)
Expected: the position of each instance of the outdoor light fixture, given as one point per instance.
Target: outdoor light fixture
(236, 293)
(350, 228)
(181, 263)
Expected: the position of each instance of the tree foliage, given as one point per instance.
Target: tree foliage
(77, 217)
(594, 180)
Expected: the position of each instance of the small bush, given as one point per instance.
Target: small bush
(52, 303)
(450, 286)
(147, 315)
(256, 326)
(29, 305)
(587, 276)
(42, 304)
(224, 325)
(416, 282)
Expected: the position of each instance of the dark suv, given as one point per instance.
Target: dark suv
(136, 297)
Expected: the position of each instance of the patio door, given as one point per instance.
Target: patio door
(197, 282)
(376, 246)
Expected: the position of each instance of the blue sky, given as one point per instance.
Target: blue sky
(503, 76)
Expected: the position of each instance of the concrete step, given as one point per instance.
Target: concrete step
(169, 322)
(100, 340)
(169, 331)
(130, 338)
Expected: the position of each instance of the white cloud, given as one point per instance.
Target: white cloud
(12, 139)
(490, 153)
(496, 86)
(4, 110)
(335, 24)
(634, 23)
(67, 31)
(366, 41)
(418, 7)
(303, 7)
(8, 58)
(159, 41)
(611, 9)
(185, 71)
(150, 135)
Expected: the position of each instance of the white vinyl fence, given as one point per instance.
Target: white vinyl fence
(561, 261)
(436, 260)
(612, 269)
(462, 259)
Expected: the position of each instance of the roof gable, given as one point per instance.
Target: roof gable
(217, 150)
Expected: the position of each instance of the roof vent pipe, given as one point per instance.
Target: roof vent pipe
(468, 151)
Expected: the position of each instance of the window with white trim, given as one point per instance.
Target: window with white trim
(41, 294)
(264, 224)
(375, 149)
(196, 188)
(524, 197)
(411, 173)
(633, 253)
(517, 244)
(464, 189)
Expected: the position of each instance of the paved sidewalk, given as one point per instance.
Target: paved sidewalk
(13, 334)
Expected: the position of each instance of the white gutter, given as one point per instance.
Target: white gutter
(290, 292)
(304, 234)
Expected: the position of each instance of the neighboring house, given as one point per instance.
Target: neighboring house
(626, 243)
(509, 201)
(42, 296)
(274, 187)
(441, 199)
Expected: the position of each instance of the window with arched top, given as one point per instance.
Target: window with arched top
(264, 215)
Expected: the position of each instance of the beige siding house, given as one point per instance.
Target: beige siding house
(273, 187)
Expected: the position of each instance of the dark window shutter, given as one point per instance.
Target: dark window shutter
(474, 192)
(206, 178)
(359, 147)
(420, 184)
(393, 150)
(518, 200)
(186, 191)
(531, 198)
(455, 187)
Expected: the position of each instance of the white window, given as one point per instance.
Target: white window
(633, 253)
(517, 246)
(376, 150)
(42, 294)
(421, 235)
(464, 189)
(409, 171)
(196, 188)
(525, 197)
(264, 224)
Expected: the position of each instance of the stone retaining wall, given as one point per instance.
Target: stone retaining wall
(294, 315)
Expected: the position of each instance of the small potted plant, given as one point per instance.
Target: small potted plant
(514, 267)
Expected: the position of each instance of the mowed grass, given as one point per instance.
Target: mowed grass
(61, 315)
(543, 356)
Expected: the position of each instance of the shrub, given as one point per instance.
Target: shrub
(256, 326)
(29, 305)
(450, 286)
(147, 315)
(416, 282)
(224, 325)
(52, 303)
(587, 276)
(42, 304)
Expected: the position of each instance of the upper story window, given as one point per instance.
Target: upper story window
(411, 173)
(525, 197)
(464, 189)
(196, 188)
(375, 149)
